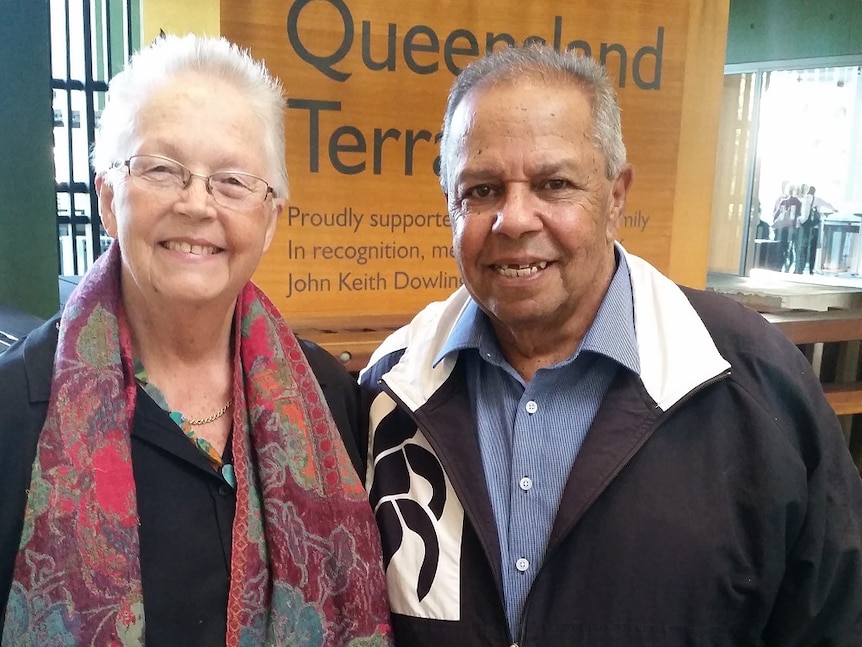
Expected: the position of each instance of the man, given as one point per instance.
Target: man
(785, 220)
(572, 450)
(809, 222)
(809, 217)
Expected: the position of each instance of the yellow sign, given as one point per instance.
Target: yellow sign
(366, 230)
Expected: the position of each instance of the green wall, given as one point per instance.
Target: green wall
(777, 30)
(28, 233)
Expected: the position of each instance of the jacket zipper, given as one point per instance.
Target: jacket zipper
(520, 640)
(688, 396)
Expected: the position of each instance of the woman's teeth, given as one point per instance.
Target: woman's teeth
(186, 248)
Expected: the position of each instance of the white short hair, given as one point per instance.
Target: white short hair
(171, 56)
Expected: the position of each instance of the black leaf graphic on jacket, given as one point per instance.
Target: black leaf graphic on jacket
(392, 482)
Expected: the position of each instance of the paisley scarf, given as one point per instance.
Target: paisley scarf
(306, 567)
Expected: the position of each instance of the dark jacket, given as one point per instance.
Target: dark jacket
(175, 488)
(713, 502)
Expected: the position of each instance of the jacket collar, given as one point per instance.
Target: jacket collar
(39, 347)
(675, 350)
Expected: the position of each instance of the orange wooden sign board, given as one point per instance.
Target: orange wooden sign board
(365, 230)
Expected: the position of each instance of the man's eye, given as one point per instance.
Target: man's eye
(481, 191)
(556, 184)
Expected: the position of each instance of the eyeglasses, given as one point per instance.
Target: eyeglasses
(231, 189)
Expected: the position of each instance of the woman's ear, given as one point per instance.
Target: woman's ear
(105, 191)
(274, 215)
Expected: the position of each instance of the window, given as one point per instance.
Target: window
(90, 42)
(785, 131)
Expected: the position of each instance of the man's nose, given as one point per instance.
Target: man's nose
(519, 213)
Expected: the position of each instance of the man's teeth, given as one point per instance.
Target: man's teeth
(518, 271)
(186, 248)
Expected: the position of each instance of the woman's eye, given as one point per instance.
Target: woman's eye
(232, 180)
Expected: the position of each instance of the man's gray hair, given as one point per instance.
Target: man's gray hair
(171, 56)
(543, 63)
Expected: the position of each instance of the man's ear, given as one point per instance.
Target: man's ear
(105, 191)
(619, 192)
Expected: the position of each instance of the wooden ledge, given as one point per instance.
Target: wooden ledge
(834, 326)
(845, 398)
(351, 340)
(813, 327)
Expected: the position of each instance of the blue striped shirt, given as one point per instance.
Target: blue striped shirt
(530, 433)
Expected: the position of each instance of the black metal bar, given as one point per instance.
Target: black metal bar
(69, 148)
(51, 58)
(96, 221)
(73, 84)
(89, 85)
(129, 42)
(73, 220)
(71, 187)
(109, 50)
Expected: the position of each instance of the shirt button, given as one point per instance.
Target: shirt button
(532, 407)
(522, 564)
(224, 490)
(526, 483)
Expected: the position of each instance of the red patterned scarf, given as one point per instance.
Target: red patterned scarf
(306, 565)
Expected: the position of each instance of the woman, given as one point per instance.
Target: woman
(185, 483)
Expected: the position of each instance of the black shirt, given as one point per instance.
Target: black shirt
(185, 507)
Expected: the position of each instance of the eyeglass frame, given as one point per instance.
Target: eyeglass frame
(126, 163)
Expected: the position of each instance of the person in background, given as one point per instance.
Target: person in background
(785, 191)
(809, 232)
(784, 223)
(812, 212)
(574, 450)
(172, 475)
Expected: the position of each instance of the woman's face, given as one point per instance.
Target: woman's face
(181, 248)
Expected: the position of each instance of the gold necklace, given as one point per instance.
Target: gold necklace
(218, 414)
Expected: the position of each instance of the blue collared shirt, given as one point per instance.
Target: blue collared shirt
(530, 433)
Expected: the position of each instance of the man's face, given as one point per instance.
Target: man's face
(534, 216)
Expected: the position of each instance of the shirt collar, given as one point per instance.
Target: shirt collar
(472, 330)
(612, 332)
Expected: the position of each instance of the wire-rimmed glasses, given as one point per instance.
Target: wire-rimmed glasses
(231, 189)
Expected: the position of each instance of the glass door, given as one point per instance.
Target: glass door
(790, 140)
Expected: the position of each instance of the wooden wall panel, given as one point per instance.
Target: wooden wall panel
(190, 16)
(731, 174)
(362, 156)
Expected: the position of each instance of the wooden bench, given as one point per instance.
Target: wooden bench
(350, 340)
(831, 341)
